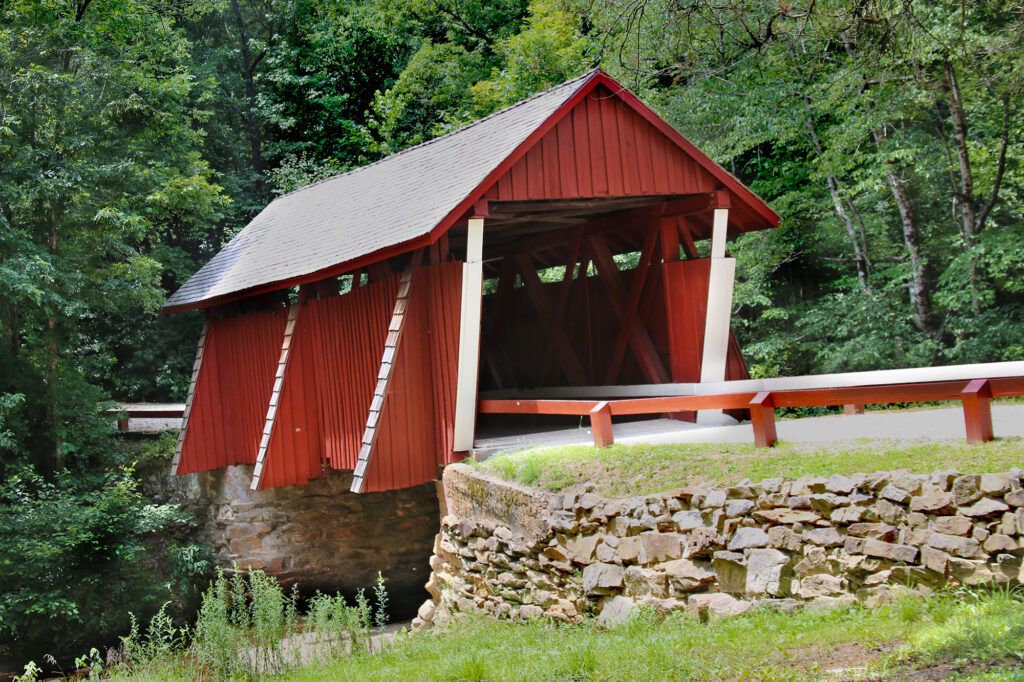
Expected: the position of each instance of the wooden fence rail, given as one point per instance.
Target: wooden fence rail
(975, 396)
(145, 411)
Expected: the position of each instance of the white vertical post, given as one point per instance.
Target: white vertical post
(469, 337)
(721, 279)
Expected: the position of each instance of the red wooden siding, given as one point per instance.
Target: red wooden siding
(602, 148)
(232, 391)
(332, 372)
(686, 288)
(672, 308)
(417, 422)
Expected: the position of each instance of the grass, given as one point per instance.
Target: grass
(643, 469)
(969, 636)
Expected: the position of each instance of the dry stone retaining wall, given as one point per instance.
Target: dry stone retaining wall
(510, 551)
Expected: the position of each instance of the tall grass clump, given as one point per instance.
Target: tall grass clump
(248, 628)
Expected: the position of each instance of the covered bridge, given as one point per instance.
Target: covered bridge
(353, 323)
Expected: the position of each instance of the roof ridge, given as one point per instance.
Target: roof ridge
(581, 78)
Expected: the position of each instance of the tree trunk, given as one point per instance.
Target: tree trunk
(920, 277)
(247, 66)
(965, 192)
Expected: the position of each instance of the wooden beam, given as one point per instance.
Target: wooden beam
(852, 409)
(469, 337)
(552, 325)
(564, 294)
(669, 239)
(976, 399)
(601, 425)
(686, 234)
(762, 417)
(275, 395)
(196, 366)
(384, 374)
(643, 347)
(643, 267)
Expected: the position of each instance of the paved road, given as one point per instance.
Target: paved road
(934, 424)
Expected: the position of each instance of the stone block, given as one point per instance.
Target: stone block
(768, 572)
(644, 582)
(985, 508)
(820, 585)
(825, 537)
(841, 485)
(602, 578)
(889, 512)
(730, 571)
(1015, 498)
(888, 550)
(688, 520)
(971, 572)
(956, 544)
(734, 508)
(893, 494)
(785, 516)
(701, 543)
(713, 498)
(995, 484)
(782, 537)
(952, 525)
(879, 531)
(965, 489)
(933, 501)
(847, 515)
(657, 547)
(747, 538)
(630, 549)
(997, 542)
(686, 576)
(814, 560)
(934, 559)
(616, 611)
(711, 605)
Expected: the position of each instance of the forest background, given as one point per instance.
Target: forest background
(138, 136)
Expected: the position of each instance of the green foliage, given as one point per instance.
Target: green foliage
(65, 549)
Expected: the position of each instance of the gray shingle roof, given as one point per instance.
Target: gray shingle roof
(392, 201)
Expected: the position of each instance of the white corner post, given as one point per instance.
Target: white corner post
(721, 279)
(469, 337)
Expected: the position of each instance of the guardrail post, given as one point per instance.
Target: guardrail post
(601, 424)
(976, 399)
(762, 417)
(850, 410)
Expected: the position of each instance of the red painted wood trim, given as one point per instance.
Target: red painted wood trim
(601, 425)
(762, 418)
(977, 404)
(640, 273)
(641, 341)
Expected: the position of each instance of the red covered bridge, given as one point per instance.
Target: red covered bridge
(352, 324)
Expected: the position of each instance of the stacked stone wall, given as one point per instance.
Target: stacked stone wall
(509, 551)
(320, 535)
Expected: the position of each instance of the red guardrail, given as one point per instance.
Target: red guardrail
(975, 396)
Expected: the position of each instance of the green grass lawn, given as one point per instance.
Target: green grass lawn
(642, 469)
(967, 636)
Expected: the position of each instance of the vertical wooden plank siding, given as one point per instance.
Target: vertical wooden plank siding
(315, 415)
(196, 365)
(232, 391)
(602, 148)
(686, 292)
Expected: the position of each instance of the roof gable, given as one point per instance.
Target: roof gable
(403, 201)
